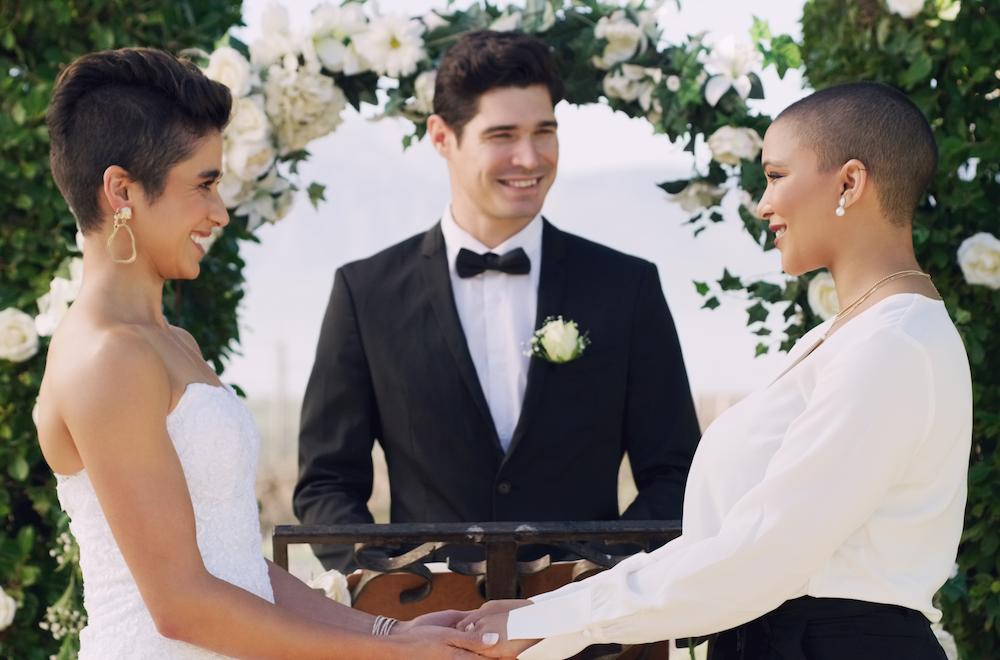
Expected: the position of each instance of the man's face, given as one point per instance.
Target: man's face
(506, 160)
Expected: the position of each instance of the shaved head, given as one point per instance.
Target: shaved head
(879, 126)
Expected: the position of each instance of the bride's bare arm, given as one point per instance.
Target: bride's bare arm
(114, 402)
(296, 596)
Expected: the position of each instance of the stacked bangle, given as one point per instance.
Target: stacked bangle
(383, 626)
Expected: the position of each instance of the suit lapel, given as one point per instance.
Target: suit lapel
(437, 279)
(551, 296)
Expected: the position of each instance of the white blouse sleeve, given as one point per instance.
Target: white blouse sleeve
(869, 411)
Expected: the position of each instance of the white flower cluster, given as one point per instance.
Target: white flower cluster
(53, 305)
(8, 608)
(631, 82)
(624, 38)
(20, 332)
(66, 550)
(62, 620)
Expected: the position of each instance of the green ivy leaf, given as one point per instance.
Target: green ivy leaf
(317, 194)
(711, 303)
(673, 187)
(757, 313)
(730, 282)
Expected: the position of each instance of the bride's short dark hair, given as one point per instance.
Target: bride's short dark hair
(881, 127)
(485, 60)
(139, 108)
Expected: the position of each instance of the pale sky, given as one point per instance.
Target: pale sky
(378, 195)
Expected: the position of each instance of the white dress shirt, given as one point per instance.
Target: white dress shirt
(845, 478)
(497, 312)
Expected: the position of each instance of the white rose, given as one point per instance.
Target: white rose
(949, 9)
(617, 85)
(333, 584)
(979, 257)
(905, 8)
(8, 606)
(234, 190)
(632, 82)
(823, 296)
(673, 83)
(249, 122)
(248, 160)
(18, 337)
(393, 45)
(698, 195)
(508, 22)
(332, 27)
(560, 340)
(227, 66)
(423, 89)
(731, 144)
(623, 38)
(303, 105)
(53, 305)
(270, 49)
(276, 42)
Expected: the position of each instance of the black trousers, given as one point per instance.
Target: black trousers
(830, 629)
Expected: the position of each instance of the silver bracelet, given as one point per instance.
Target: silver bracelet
(383, 626)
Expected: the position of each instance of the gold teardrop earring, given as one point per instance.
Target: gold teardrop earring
(121, 218)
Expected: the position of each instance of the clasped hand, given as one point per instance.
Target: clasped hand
(482, 632)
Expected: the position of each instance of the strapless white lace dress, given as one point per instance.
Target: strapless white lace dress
(217, 442)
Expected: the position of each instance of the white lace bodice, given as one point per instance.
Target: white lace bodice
(217, 443)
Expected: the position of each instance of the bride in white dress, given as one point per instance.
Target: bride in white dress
(155, 459)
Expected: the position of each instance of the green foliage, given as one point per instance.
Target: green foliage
(37, 38)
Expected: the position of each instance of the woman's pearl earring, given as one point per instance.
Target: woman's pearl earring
(841, 211)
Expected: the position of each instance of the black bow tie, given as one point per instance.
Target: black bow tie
(470, 264)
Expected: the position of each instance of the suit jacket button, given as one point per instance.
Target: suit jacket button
(504, 488)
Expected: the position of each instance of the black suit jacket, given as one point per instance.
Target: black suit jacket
(392, 364)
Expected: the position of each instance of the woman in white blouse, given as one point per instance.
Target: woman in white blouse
(823, 512)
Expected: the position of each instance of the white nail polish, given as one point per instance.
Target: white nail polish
(491, 638)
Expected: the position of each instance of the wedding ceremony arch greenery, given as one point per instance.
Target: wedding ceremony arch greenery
(293, 84)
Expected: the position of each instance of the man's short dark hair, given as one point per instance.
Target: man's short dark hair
(881, 127)
(486, 60)
(139, 108)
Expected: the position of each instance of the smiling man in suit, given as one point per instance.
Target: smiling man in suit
(423, 345)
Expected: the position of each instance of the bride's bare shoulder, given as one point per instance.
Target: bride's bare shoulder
(92, 363)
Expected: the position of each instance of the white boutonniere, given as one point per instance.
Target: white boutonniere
(558, 341)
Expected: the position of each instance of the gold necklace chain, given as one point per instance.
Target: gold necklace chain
(867, 294)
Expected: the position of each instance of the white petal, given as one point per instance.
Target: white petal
(716, 87)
